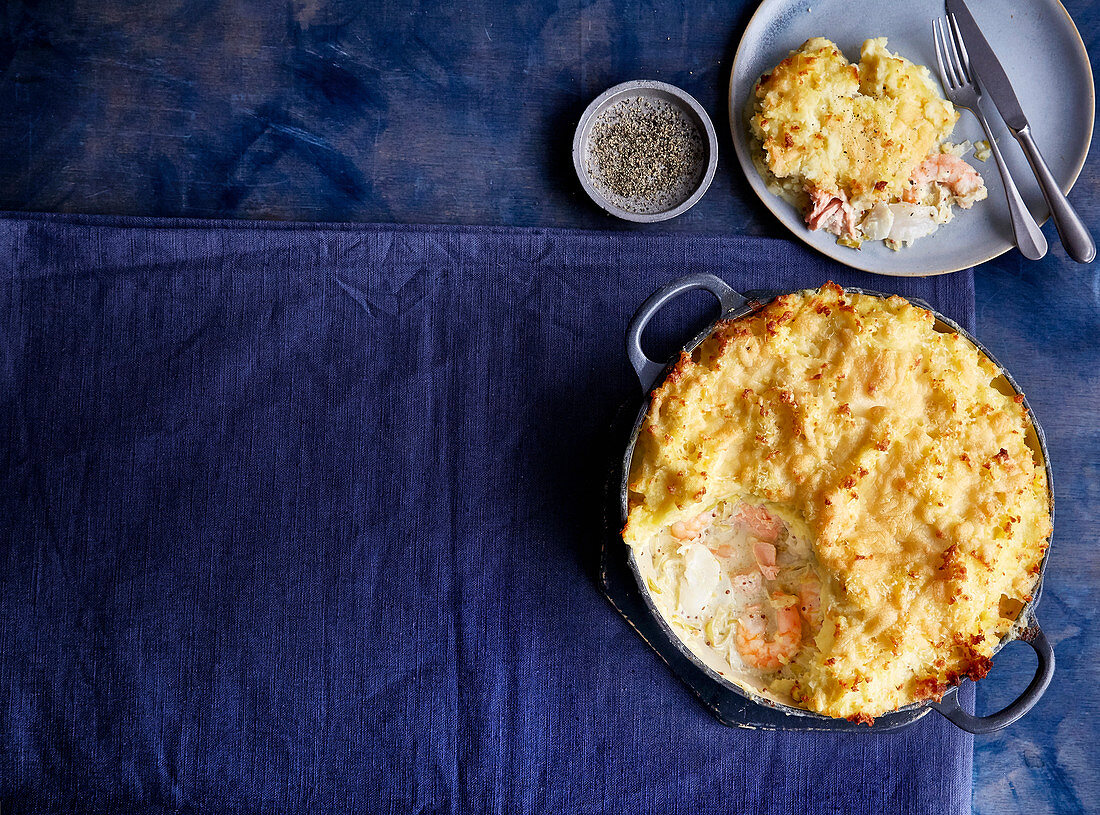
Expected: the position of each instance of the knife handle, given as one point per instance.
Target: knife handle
(1075, 236)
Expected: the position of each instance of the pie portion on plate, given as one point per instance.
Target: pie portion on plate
(861, 149)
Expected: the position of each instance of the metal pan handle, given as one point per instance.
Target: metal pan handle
(980, 725)
(648, 369)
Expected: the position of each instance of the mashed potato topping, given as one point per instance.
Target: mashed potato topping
(836, 506)
(839, 139)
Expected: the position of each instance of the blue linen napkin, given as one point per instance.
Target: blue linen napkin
(300, 516)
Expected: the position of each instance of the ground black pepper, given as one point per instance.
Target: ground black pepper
(645, 154)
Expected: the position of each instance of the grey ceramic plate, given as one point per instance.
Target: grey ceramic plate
(1044, 57)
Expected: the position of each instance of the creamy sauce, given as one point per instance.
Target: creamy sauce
(709, 572)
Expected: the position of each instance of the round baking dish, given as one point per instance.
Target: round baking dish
(651, 373)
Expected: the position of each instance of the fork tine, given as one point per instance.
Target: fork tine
(941, 59)
(953, 55)
(957, 39)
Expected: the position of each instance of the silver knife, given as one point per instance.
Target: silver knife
(1075, 236)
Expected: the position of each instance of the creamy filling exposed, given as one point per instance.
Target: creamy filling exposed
(739, 583)
(860, 148)
(939, 183)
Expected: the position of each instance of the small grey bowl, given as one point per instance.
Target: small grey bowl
(653, 90)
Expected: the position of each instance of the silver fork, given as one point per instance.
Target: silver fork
(962, 90)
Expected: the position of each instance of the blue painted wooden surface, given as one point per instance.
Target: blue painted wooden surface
(421, 112)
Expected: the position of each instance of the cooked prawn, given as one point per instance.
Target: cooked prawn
(760, 522)
(770, 653)
(722, 548)
(809, 597)
(765, 559)
(958, 177)
(692, 528)
(747, 588)
(747, 582)
(727, 547)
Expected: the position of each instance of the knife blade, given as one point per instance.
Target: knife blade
(993, 78)
(986, 69)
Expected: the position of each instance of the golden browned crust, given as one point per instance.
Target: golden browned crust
(890, 440)
(824, 123)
